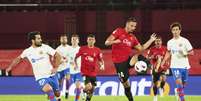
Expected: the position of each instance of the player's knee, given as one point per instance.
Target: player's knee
(178, 81)
(126, 84)
(47, 88)
(78, 84)
(155, 84)
(67, 77)
(88, 86)
(57, 93)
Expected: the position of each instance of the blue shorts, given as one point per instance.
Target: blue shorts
(52, 81)
(179, 73)
(63, 73)
(76, 77)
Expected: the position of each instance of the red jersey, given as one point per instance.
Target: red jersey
(122, 51)
(89, 60)
(154, 53)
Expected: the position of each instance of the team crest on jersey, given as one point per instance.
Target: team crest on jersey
(180, 45)
(41, 52)
(127, 42)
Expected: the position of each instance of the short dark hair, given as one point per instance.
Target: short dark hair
(131, 19)
(175, 24)
(63, 35)
(75, 35)
(32, 35)
(91, 35)
(158, 37)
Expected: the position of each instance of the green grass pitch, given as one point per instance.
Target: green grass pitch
(95, 98)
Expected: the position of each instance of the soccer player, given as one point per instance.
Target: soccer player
(91, 57)
(155, 55)
(122, 41)
(76, 76)
(38, 55)
(64, 69)
(178, 50)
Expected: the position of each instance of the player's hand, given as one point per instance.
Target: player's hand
(117, 41)
(8, 69)
(153, 37)
(183, 52)
(102, 67)
(76, 67)
(156, 70)
(54, 71)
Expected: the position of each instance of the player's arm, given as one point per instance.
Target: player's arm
(166, 57)
(14, 62)
(77, 56)
(134, 59)
(57, 62)
(186, 53)
(149, 42)
(158, 63)
(140, 48)
(101, 62)
(112, 40)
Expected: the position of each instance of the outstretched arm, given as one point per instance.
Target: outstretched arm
(57, 62)
(111, 40)
(149, 42)
(14, 62)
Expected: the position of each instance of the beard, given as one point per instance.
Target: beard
(64, 43)
(38, 44)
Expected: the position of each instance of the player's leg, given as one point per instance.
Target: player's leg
(177, 74)
(60, 76)
(54, 82)
(78, 80)
(155, 80)
(122, 71)
(90, 83)
(184, 77)
(67, 85)
(162, 83)
(47, 88)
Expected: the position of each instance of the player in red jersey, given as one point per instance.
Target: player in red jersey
(91, 58)
(155, 55)
(122, 41)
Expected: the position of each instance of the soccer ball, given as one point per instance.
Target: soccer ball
(140, 66)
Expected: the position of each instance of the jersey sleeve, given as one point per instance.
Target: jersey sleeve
(100, 54)
(116, 33)
(79, 53)
(135, 41)
(188, 45)
(23, 54)
(168, 46)
(50, 50)
(149, 52)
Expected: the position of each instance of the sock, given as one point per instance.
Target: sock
(180, 92)
(59, 99)
(128, 93)
(162, 84)
(61, 85)
(155, 89)
(88, 97)
(67, 84)
(78, 91)
(67, 87)
(51, 96)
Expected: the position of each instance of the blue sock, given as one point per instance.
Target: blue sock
(51, 96)
(78, 91)
(67, 84)
(180, 91)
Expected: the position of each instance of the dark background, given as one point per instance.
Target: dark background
(100, 17)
